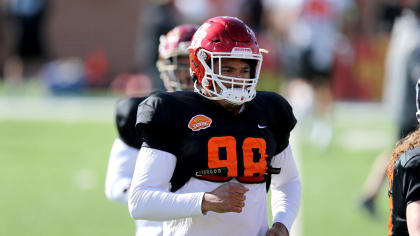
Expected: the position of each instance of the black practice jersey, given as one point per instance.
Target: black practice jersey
(404, 189)
(126, 116)
(211, 143)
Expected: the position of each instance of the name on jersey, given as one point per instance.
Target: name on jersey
(222, 171)
(199, 122)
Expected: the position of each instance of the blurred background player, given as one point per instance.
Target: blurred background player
(29, 48)
(308, 33)
(401, 74)
(173, 65)
(404, 174)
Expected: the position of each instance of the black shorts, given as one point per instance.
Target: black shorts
(310, 72)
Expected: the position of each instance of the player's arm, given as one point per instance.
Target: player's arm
(411, 186)
(121, 165)
(149, 196)
(285, 192)
(413, 218)
(150, 199)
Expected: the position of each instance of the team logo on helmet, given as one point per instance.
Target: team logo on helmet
(240, 50)
(199, 122)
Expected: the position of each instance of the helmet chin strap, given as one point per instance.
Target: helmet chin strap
(199, 89)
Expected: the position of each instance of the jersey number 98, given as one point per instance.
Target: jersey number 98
(251, 167)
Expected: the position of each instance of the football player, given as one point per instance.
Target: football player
(173, 65)
(207, 155)
(404, 179)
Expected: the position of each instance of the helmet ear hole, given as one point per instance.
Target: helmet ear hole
(194, 77)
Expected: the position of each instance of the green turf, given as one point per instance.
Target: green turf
(333, 181)
(52, 182)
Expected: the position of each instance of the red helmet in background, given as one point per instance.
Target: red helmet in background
(172, 46)
(224, 37)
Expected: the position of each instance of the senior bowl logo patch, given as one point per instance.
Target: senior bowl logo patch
(199, 122)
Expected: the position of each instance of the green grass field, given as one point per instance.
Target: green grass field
(52, 180)
(333, 179)
(52, 177)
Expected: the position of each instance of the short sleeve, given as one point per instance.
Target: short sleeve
(283, 121)
(156, 124)
(413, 66)
(126, 115)
(411, 180)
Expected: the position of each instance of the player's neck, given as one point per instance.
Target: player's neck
(233, 108)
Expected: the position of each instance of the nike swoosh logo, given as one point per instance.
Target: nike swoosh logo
(262, 126)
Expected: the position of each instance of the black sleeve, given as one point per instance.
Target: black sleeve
(407, 121)
(126, 114)
(156, 123)
(283, 121)
(411, 180)
(413, 66)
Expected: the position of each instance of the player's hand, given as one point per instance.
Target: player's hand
(278, 229)
(228, 197)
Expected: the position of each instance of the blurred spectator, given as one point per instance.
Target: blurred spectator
(27, 18)
(319, 30)
(308, 33)
(2, 37)
(389, 10)
(66, 75)
(195, 11)
(251, 14)
(132, 85)
(157, 18)
(401, 77)
(96, 67)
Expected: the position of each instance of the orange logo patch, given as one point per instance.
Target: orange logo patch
(199, 122)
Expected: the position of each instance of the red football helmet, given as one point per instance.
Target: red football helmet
(172, 47)
(224, 37)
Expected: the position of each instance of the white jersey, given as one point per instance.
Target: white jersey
(120, 171)
(149, 198)
(404, 39)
